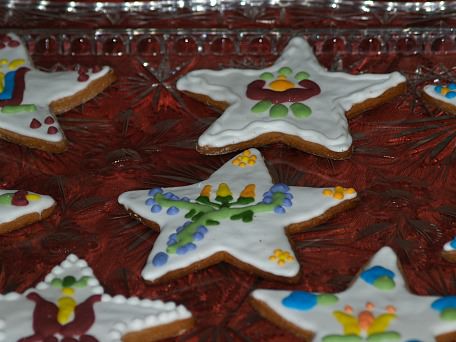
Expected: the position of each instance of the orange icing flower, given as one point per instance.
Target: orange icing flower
(281, 84)
(249, 191)
(281, 257)
(338, 192)
(206, 192)
(246, 158)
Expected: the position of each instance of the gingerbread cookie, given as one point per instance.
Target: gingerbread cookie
(29, 98)
(71, 305)
(376, 307)
(442, 95)
(238, 215)
(449, 251)
(19, 208)
(295, 101)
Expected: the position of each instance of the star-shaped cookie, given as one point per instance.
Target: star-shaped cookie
(71, 305)
(295, 101)
(238, 215)
(19, 208)
(29, 98)
(376, 307)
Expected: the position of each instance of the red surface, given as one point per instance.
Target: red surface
(141, 133)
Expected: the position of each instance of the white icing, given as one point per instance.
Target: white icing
(251, 243)
(327, 125)
(9, 213)
(41, 88)
(415, 317)
(430, 90)
(448, 248)
(114, 316)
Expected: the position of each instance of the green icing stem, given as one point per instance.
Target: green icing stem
(6, 199)
(24, 108)
(211, 214)
(388, 336)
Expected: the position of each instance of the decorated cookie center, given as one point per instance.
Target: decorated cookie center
(449, 91)
(19, 198)
(275, 92)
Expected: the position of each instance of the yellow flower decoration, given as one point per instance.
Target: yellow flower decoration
(246, 158)
(223, 190)
(281, 257)
(338, 192)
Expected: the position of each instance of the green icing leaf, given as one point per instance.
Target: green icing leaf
(190, 213)
(224, 199)
(266, 76)
(384, 283)
(285, 71)
(68, 281)
(302, 75)
(278, 111)
(81, 283)
(327, 299)
(300, 110)
(342, 338)
(388, 336)
(245, 216)
(56, 282)
(6, 199)
(212, 222)
(197, 216)
(448, 314)
(245, 200)
(202, 199)
(261, 106)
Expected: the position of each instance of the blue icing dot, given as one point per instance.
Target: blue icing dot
(160, 259)
(156, 208)
(289, 195)
(279, 187)
(453, 243)
(168, 195)
(267, 194)
(172, 211)
(452, 86)
(187, 223)
(279, 210)
(267, 200)
(154, 191)
(444, 303)
(438, 89)
(300, 300)
(182, 250)
(185, 199)
(150, 201)
(450, 95)
(413, 341)
(172, 239)
(287, 203)
(373, 273)
(191, 246)
(198, 236)
(202, 229)
(174, 197)
(179, 229)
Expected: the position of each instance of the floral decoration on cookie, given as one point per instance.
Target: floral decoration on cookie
(19, 208)
(238, 215)
(29, 98)
(442, 95)
(295, 101)
(376, 307)
(71, 305)
(449, 250)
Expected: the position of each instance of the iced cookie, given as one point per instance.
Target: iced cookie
(238, 215)
(295, 101)
(442, 95)
(19, 208)
(449, 251)
(29, 98)
(376, 307)
(71, 305)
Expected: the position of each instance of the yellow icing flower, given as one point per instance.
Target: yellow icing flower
(366, 323)
(338, 192)
(281, 84)
(281, 257)
(32, 197)
(223, 190)
(249, 191)
(246, 158)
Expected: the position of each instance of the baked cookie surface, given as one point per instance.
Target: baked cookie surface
(295, 101)
(29, 98)
(70, 304)
(238, 215)
(376, 307)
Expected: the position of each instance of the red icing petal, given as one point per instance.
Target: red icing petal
(82, 70)
(35, 124)
(52, 130)
(5, 38)
(19, 199)
(2, 46)
(83, 77)
(96, 69)
(49, 120)
(13, 43)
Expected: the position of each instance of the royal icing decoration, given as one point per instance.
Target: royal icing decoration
(17, 203)
(25, 92)
(450, 246)
(238, 211)
(295, 96)
(377, 307)
(71, 305)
